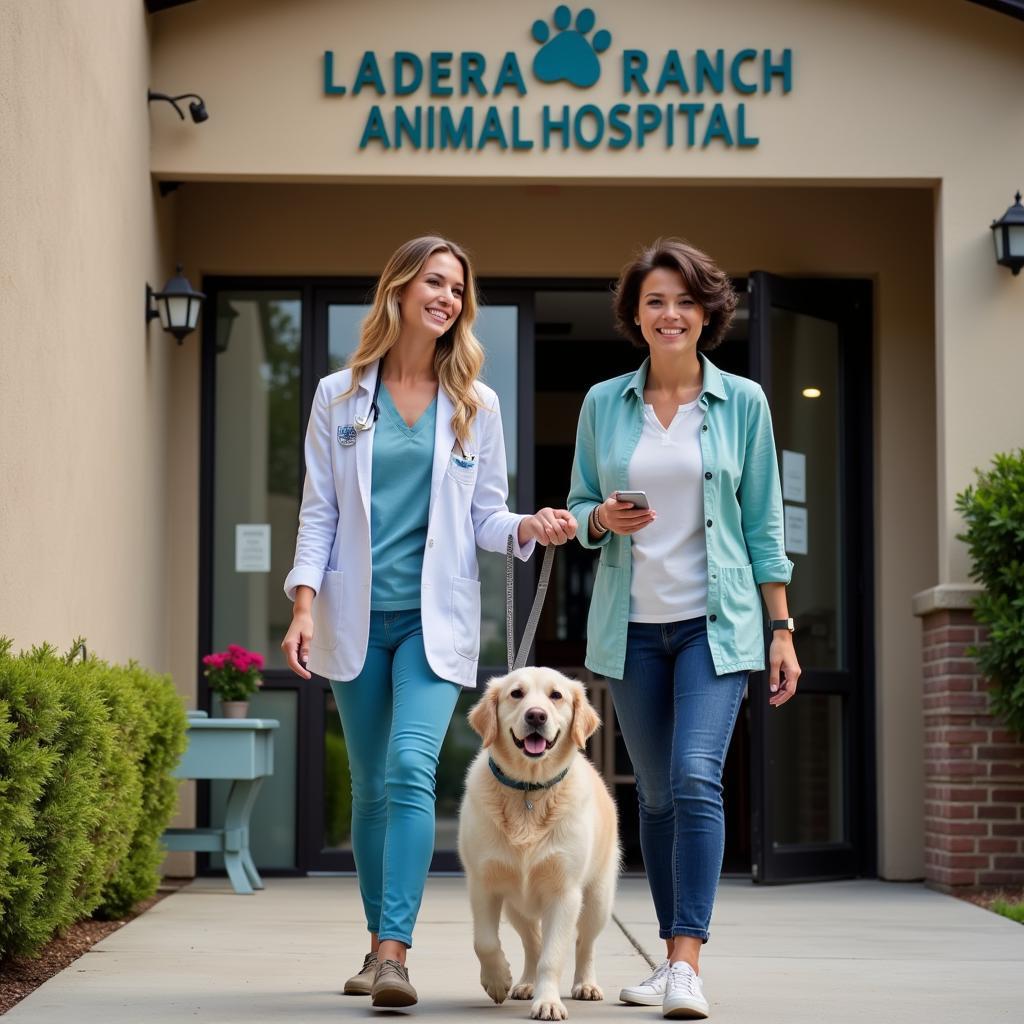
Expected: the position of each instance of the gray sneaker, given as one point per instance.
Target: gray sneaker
(361, 983)
(391, 985)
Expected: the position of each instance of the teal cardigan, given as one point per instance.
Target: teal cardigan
(742, 513)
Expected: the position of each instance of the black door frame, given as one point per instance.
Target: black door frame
(848, 304)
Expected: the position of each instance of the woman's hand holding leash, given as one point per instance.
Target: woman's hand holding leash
(296, 641)
(548, 526)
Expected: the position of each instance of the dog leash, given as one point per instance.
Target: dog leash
(519, 660)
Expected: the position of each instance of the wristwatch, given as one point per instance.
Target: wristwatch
(782, 624)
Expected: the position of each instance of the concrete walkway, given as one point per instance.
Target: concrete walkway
(828, 953)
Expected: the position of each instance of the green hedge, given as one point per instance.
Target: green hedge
(993, 510)
(86, 751)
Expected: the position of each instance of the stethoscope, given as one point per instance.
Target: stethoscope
(347, 434)
(365, 422)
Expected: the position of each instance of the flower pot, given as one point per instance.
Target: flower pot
(234, 708)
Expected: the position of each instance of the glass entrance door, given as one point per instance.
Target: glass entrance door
(799, 781)
(504, 332)
(811, 760)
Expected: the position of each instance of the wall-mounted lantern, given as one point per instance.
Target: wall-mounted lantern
(177, 306)
(1008, 233)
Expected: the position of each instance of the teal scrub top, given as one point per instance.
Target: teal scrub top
(403, 459)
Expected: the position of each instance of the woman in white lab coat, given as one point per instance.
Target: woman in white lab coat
(405, 477)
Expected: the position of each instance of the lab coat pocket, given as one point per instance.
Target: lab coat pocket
(327, 606)
(466, 617)
(462, 469)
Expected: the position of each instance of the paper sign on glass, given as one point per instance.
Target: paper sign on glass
(794, 476)
(252, 547)
(796, 529)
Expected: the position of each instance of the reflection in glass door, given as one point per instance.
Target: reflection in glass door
(810, 354)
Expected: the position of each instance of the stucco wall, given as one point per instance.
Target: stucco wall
(85, 398)
(83, 385)
(883, 234)
(883, 91)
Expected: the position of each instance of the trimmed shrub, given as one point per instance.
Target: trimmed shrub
(993, 509)
(138, 875)
(86, 749)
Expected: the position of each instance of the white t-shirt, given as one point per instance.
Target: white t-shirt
(670, 562)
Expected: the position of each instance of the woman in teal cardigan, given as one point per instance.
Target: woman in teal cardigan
(675, 619)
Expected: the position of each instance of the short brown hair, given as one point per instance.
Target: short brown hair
(706, 281)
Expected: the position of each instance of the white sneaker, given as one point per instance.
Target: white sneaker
(650, 992)
(684, 993)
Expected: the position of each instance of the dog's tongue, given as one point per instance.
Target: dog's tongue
(535, 743)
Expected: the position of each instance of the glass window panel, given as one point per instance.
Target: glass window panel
(337, 781)
(256, 464)
(272, 831)
(343, 323)
(497, 327)
(805, 355)
(807, 770)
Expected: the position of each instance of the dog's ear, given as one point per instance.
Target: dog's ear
(483, 715)
(585, 720)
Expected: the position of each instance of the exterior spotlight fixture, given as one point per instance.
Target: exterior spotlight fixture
(1008, 234)
(177, 306)
(197, 108)
(811, 392)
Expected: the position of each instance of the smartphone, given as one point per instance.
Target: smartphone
(637, 498)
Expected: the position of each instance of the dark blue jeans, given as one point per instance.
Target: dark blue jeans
(676, 718)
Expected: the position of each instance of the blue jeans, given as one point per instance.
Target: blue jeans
(394, 714)
(676, 718)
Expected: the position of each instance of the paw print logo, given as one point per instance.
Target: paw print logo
(569, 56)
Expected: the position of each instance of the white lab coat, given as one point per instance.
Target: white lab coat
(332, 551)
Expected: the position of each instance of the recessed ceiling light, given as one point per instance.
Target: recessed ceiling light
(811, 392)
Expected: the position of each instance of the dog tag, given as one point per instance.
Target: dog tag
(528, 802)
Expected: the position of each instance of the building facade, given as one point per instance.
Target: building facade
(842, 162)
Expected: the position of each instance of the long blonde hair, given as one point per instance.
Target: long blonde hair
(458, 356)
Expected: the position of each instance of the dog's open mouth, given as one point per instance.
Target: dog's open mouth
(533, 744)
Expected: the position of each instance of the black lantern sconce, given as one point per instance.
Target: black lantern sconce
(177, 306)
(1008, 234)
(197, 108)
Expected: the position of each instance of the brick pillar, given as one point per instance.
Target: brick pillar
(974, 766)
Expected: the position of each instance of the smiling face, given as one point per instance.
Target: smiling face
(535, 718)
(670, 319)
(432, 300)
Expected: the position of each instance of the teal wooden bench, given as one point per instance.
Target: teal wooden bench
(240, 750)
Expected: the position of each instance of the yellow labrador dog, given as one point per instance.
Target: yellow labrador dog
(538, 836)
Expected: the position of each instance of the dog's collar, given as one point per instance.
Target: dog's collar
(528, 786)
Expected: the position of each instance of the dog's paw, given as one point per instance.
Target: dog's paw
(497, 981)
(549, 1009)
(524, 990)
(587, 990)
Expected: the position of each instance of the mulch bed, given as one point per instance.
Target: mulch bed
(20, 976)
(986, 897)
